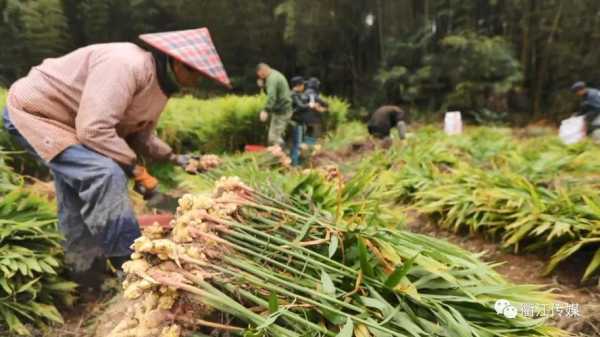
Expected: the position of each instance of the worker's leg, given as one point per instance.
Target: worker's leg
(98, 186)
(84, 256)
(297, 132)
(317, 130)
(401, 129)
(595, 135)
(314, 131)
(277, 128)
(83, 253)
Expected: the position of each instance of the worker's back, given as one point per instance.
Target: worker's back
(65, 96)
(384, 119)
(277, 87)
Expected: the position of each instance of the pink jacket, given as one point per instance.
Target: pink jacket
(104, 96)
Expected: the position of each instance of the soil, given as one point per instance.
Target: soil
(90, 314)
(353, 151)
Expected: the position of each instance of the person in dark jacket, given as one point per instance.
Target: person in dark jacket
(301, 109)
(384, 119)
(314, 117)
(590, 108)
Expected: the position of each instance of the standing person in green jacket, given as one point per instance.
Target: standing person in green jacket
(279, 102)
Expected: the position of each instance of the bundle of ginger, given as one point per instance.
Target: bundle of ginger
(167, 262)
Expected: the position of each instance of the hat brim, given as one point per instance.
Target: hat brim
(161, 43)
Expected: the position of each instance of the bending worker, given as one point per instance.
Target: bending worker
(87, 116)
(384, 119)
(279, 103)
(590, 108)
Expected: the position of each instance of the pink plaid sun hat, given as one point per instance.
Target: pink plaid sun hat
(193, 47)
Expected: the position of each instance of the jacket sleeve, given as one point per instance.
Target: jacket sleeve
(147, 143)
(109, 89)
(587, 111)
(271, 89)
(299, 102)
(583, 109)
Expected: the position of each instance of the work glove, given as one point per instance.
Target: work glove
(188, 162)
(144, 183)
(181, 160)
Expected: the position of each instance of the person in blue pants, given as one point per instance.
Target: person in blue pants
(86, 181)
(90, 116)
(300, 107)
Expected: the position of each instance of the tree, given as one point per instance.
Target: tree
(31, 30)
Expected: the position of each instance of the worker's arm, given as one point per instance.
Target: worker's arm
(588, 111)
(299, 102)
(322, 102)
(271, 88)
(147, 143)
(109, 89)
(584, 107)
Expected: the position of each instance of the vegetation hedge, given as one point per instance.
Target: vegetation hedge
(226, 123)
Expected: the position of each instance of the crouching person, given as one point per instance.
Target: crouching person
(384, 119)
(87, 116)
(590, 108)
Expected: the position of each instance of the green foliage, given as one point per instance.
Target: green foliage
(467, 72)
(4, 136)
(30, 257)
(533, 195)
(345, 135)
(315, 274)
(352, 55)
(226, 123)
(31, 30)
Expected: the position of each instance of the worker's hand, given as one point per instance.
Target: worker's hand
(181, 160)
(264, 116)
(145, 184)
(320, 108)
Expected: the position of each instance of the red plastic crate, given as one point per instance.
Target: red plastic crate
(164, 220)
(254, 148)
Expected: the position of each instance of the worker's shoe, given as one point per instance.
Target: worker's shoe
(117, 261)
(91, 278)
